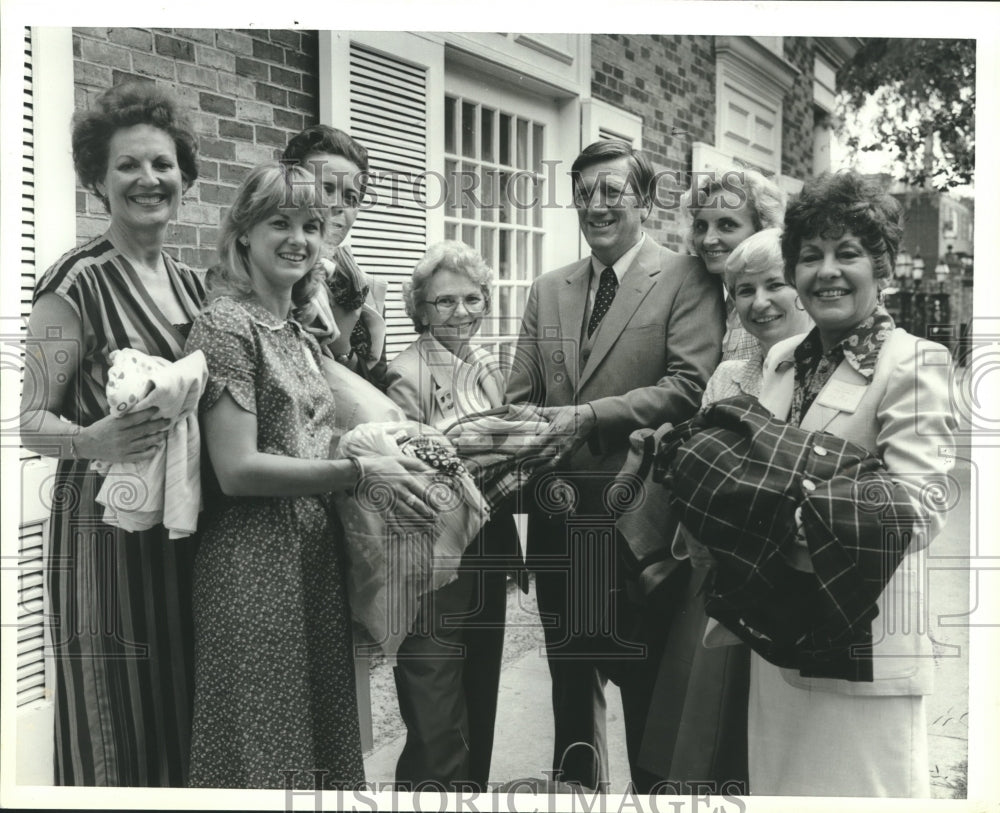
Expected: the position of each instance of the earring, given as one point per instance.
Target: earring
(798, 303)
(244, 241)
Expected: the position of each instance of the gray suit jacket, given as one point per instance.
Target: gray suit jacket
(655, 350)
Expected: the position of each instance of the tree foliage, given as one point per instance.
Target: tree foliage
(923, 92)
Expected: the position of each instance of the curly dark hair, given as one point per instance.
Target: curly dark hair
(122, 106)
(834, 203)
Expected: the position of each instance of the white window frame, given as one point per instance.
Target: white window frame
(54, 220)
(746, 66)
(468, 84)
(598, 120)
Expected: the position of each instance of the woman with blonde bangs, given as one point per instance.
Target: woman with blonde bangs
(274, 679)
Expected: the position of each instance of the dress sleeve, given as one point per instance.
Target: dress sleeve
(225, 333)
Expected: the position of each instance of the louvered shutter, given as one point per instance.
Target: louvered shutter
(389, 116)
(30, 624)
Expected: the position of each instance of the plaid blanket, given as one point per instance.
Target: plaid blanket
(737, 478)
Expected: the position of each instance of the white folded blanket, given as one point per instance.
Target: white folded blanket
(166, 488)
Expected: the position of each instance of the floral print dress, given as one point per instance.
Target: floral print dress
(275, 702)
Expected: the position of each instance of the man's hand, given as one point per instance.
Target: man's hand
(568, 429)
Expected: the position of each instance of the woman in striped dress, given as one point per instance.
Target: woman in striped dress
(119, 602)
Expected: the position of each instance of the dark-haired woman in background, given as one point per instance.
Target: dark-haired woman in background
(357, 300)
(860, 378)
(119, 602)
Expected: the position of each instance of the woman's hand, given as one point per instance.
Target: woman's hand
(407, 477)
(127, 439)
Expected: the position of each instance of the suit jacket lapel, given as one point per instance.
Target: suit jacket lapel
(633, 289)
(572, 305)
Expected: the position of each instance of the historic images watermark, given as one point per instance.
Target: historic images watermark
(517, 190)
(303, 791)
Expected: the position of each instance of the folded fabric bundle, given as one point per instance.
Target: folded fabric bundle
(736, 478)
(167, 487)
(491, 445)
(392, 561)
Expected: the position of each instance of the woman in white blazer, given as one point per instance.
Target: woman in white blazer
(859, 377)
(448, 670)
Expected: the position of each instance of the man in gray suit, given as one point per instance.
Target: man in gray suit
(623, 339)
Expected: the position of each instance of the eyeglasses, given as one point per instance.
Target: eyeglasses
(445, 305)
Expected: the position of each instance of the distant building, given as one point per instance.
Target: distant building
(938, 226)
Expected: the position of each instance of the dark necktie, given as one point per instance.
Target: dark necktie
(605, 296)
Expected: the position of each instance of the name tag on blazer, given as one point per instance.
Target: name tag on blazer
(841, 395)
(445, 401)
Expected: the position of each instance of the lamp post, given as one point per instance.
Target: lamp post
(941, 272)
(918, 269)
(904, 267)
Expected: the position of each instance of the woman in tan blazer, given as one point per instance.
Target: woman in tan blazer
(448, 670)
(859, 377)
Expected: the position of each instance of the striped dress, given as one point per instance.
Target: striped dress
(119, 603)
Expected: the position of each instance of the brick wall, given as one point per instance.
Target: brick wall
(670, 82)
(246, 92)
(797, 111)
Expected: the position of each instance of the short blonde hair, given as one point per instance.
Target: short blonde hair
(764, 199)
(758, 253)
(268, 188)
(448, 255)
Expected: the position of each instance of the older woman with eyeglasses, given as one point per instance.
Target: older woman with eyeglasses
(448, 673)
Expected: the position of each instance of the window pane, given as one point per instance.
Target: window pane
(488, 192)
(522, 144)
(537, 264)
(505, 189)
(489, 248)
(521, 268)
(469, 235)
(469, 184)
(522, 199)
(486, 134)
(505, 302)
(450, 230)
(449, 124)
(504, 139)
(503, 265)
(451, 180)
(537, 194)
(468, 130)
(537, 147)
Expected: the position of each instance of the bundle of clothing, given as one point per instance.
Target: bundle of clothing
(165, 488)
(394, 561)
(495, 446)
(759, 494)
